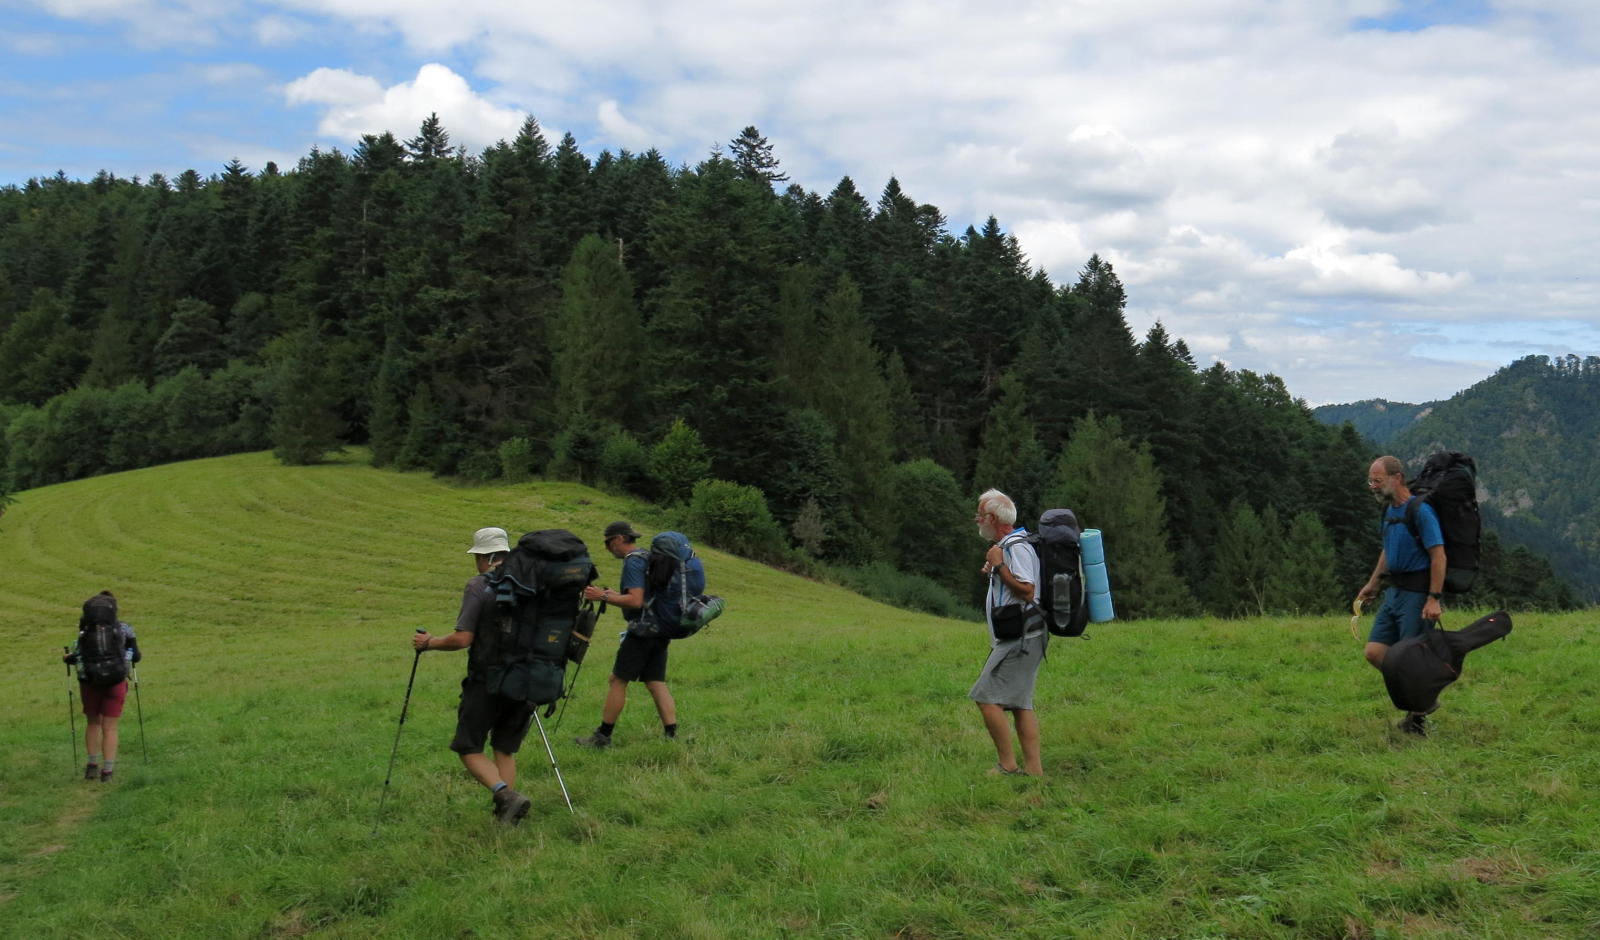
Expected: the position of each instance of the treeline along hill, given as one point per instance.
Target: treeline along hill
(818, 380)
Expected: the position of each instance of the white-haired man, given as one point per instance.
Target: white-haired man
(1017, 636)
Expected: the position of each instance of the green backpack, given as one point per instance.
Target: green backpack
(542, 622)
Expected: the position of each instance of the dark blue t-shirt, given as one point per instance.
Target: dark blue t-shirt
(1401, 550)
(633, 568)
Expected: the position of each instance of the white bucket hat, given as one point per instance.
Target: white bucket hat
(488, 541)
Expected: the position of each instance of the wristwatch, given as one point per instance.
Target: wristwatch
(1435, 595)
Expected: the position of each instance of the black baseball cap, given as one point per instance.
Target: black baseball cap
(623, 529)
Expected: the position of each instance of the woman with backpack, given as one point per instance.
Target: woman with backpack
(105, 650)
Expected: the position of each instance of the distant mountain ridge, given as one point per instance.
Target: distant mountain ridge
(1534, 430)
(1377, 419)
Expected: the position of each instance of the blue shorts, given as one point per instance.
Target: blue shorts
(1399, 617)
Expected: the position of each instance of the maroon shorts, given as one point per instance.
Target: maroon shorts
(104, 700)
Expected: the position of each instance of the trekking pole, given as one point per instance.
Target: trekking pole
(72, 720)
(557, 768)
(138, 706)
(396, 749)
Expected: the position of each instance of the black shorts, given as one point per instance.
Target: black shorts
(641, 658)
(484, 717)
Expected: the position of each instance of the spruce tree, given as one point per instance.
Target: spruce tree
(595, 340)
(1112, 485)
(304, 425)
(753, 156)
(1010, 458)
(1304, 579)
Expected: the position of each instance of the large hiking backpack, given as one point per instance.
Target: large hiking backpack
(541, 622)
(1448, 482)
(675, 606)
(1416, 669)
(102, 646)
(1063, 597)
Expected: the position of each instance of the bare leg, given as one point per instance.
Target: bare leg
(616, 697)
(484, 769)
(994, 719)
(91, 734)
(1028, 732)
(1375, 653)
(507, 765)
(665, 706)
(108, 734)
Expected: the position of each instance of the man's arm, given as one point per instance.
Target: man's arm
(632, 599)
(996, 560)
(459, 640)
(1370, 589)
(1431, 609)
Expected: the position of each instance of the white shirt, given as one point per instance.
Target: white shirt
(1023, 563)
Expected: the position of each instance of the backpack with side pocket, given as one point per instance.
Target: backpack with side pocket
(541, 621)
(102, 646)
(675, 605)
(1062, 593)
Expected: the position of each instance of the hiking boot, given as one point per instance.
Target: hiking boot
(510, 806)
(105, 776)
(1413, 723)
(91, 772)
(595, 740)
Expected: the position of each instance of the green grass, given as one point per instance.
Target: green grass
(1205, 779)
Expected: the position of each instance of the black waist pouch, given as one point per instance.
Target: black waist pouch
(1012, 621)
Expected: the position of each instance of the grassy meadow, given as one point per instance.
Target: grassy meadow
(1205, 779)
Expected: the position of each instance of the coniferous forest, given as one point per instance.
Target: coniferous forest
(819, 380)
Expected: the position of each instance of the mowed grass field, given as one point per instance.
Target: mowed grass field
(1206, 779)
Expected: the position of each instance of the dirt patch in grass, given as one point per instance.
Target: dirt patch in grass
(1492, 871)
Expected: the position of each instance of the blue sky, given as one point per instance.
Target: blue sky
(1368, 198)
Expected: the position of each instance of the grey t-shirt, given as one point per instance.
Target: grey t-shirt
(477, 605)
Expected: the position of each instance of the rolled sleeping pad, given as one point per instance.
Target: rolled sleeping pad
(1100, 609)
(1095, 578)
(1099, 586)
(1094, 551)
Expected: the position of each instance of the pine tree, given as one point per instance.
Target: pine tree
(193, 337)
(679, 461)
(1113, 486)
(1011, 459)
(595, 340)
(304, 426)
(1304, 579)
(851, 394)
(753, 156)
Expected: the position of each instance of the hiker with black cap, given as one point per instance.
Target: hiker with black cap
(482, 716)
(1415, 566)
(638, 657)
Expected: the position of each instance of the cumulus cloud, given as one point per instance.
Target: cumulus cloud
(354, 105)
(1265, 177)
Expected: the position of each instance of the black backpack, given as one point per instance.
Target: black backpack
(102, 646)
(1416, 669)
(1062, 596)
(541, 620)
(1448, 482)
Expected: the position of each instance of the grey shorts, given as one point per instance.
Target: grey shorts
(1010, 672)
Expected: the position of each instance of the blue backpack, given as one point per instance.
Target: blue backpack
(675, 605)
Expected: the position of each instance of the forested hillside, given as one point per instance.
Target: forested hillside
(1377, 419)
(854, 371)
(1534, 430)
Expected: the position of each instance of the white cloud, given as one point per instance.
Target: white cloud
(1264, 177)
(354, 105)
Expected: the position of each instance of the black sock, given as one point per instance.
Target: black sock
(671, 730)
(605, 728)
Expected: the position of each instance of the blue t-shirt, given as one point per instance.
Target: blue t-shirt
(633, 567)
(1400, 550)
